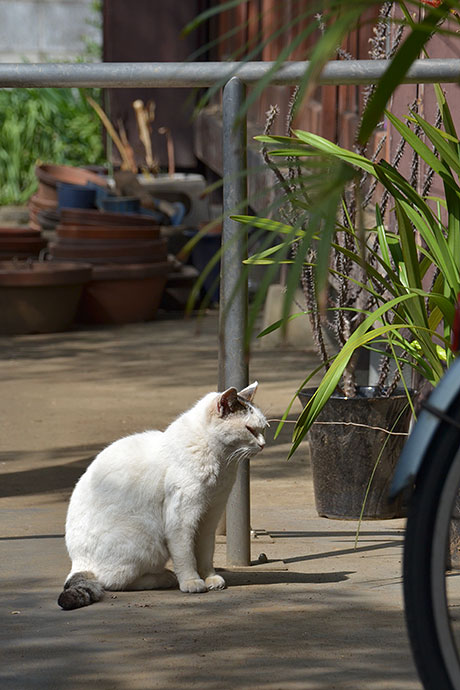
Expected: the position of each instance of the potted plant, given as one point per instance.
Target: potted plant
(385, 310)
(394, 292)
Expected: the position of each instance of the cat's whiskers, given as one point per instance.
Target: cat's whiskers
(238, 455)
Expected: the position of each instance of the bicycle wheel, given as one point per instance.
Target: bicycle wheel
(431, 587)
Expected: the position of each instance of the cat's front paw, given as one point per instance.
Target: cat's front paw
(215, 582)
(193, 585)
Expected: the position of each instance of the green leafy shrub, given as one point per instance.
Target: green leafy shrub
(410, 278)
(47, 125)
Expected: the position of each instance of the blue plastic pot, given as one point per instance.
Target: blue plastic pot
(121, 204)
(101, 193)
(75, 196)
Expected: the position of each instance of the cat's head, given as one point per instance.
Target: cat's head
(238, 422)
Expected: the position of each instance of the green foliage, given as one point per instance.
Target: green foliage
(330, 21)
(402, 314)
(407, 282)
(411, 48)
(47, 125)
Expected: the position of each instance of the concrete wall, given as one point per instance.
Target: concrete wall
(46, 30)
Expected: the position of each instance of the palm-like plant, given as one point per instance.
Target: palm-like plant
(384, 299)
(410, 278)
(336, 19)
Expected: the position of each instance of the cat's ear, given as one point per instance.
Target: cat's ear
(227, 402)
(249, 392)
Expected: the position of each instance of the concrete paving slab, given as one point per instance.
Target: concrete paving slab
(319, 614)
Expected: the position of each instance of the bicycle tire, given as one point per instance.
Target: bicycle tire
(425, 553)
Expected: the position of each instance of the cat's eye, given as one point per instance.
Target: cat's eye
(253, 431)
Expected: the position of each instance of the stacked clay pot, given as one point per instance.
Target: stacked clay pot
(129, 260)
(99, 237)
(43, 205)
(20, 243)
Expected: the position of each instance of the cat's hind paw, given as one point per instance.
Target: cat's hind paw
(193, 585)
(215, 582)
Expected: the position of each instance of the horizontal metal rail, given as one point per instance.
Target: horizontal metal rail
(203, 74)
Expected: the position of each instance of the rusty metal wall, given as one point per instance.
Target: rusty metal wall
(333, 111)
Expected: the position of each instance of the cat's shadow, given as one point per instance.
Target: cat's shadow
(241, 578)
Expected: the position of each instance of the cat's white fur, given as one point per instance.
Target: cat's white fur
(159, 495)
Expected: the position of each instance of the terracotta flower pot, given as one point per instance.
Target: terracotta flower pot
(115, 252)
(37, 207)
(33, 245)
(20, 243)
(18, 231)
(46, 193)
(109, 232)
(123, 294)
(39, 297)
(80, 217)
(50, 175)
(37, 203)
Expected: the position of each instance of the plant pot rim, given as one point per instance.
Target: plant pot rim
(42, 204)
(130, 230)
(36, 273)
(90, 217)
(21, 243)
(363, 393)
(16, 231)
(130, 271)
(52, 174)
(90, 250)
(75, 187)
(121, 199)
(104, 242)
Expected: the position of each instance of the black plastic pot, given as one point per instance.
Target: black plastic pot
(347, 441)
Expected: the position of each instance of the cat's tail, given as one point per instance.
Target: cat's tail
(81, 589)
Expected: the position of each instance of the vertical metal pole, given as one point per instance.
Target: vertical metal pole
(233, 364)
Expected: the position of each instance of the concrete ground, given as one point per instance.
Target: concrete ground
(319, 614)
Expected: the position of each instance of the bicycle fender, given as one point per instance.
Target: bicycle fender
(414, 451)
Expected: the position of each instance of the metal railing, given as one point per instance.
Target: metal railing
(233, 77)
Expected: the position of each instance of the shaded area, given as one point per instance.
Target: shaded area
(239, 579)
(341, 552)
(318, 614)
(136, 350)
(283, 637)
(47, 479)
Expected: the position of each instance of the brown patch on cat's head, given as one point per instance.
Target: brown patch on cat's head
(233, 401)
(229, 402)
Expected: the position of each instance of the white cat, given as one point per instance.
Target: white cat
(159, 495)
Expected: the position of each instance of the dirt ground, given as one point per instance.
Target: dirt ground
(318, 615)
